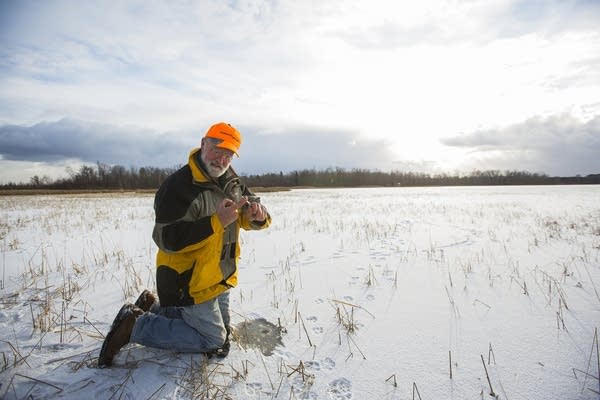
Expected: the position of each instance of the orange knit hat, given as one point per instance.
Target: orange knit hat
(231, 139)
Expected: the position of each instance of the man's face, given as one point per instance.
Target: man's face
(216, 159)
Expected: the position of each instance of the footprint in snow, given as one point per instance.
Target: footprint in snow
(328, 363)
(312, 365)
(253, 388)
(340, 389)
(325, 364)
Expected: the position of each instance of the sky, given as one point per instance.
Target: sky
(430, 86)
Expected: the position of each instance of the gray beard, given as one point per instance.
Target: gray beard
(212, 172)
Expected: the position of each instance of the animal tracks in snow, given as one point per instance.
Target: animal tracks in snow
(327, 364)
(340, 389)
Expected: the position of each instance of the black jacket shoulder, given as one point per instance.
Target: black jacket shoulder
(175, 195)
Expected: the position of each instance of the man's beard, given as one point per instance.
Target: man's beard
(214, 171)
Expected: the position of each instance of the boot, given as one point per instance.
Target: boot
(119, 334)
(145, 300)
(223, 351)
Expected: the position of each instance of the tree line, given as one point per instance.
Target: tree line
(116, 177)
(100, 176)
(339, 177)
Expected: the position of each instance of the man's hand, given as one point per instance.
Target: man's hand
(227, 210)
(255, 212)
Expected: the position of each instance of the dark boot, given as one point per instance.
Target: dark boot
(223, 351)
(145, 300)
(119, 333)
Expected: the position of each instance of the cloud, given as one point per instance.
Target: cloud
(88, 142)
(148, 64)
(305, 147)
(545, 17)
(291, 148)
(557, 145)
(443, 23)
(162, 71)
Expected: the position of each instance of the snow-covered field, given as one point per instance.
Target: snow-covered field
(404, 293)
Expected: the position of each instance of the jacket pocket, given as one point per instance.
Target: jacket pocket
(173, 288)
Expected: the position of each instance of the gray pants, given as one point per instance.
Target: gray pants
(192, 329)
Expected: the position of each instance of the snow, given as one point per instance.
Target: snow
(376, 289)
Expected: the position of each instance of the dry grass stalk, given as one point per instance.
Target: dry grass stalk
(560, 317)
(351, 305)
(199, 381)
(597, 357)
(523, 286)
(237, 375)
(575, 370)
(157, 391)
(298, 370)
(481, 302)
(59, 389)
(415, 389)
(370, 280)
(345, 318)
(393, 377)
(17, 357)
(595, 346)
(278, 388)
(355, 345)
(491, 355)
(305, 330)
(452, 303)
(266, 370)
(122, 386)
(488, 377)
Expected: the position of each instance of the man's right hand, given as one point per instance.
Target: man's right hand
(227, 210)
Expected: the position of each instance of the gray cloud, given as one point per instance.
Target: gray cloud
(290, 149)
(88, 142)
(557, 145)
(546, 17)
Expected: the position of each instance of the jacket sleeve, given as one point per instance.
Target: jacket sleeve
(255, 225)
(177, 228)
(181, 236)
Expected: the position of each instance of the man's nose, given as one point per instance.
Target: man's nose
(223, 159)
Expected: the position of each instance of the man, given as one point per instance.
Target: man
(199, 211)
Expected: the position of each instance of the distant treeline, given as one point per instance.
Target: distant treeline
(339, 177)
(106, 177)
(100, 176)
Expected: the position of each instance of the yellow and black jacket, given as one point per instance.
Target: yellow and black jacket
(197, 256)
